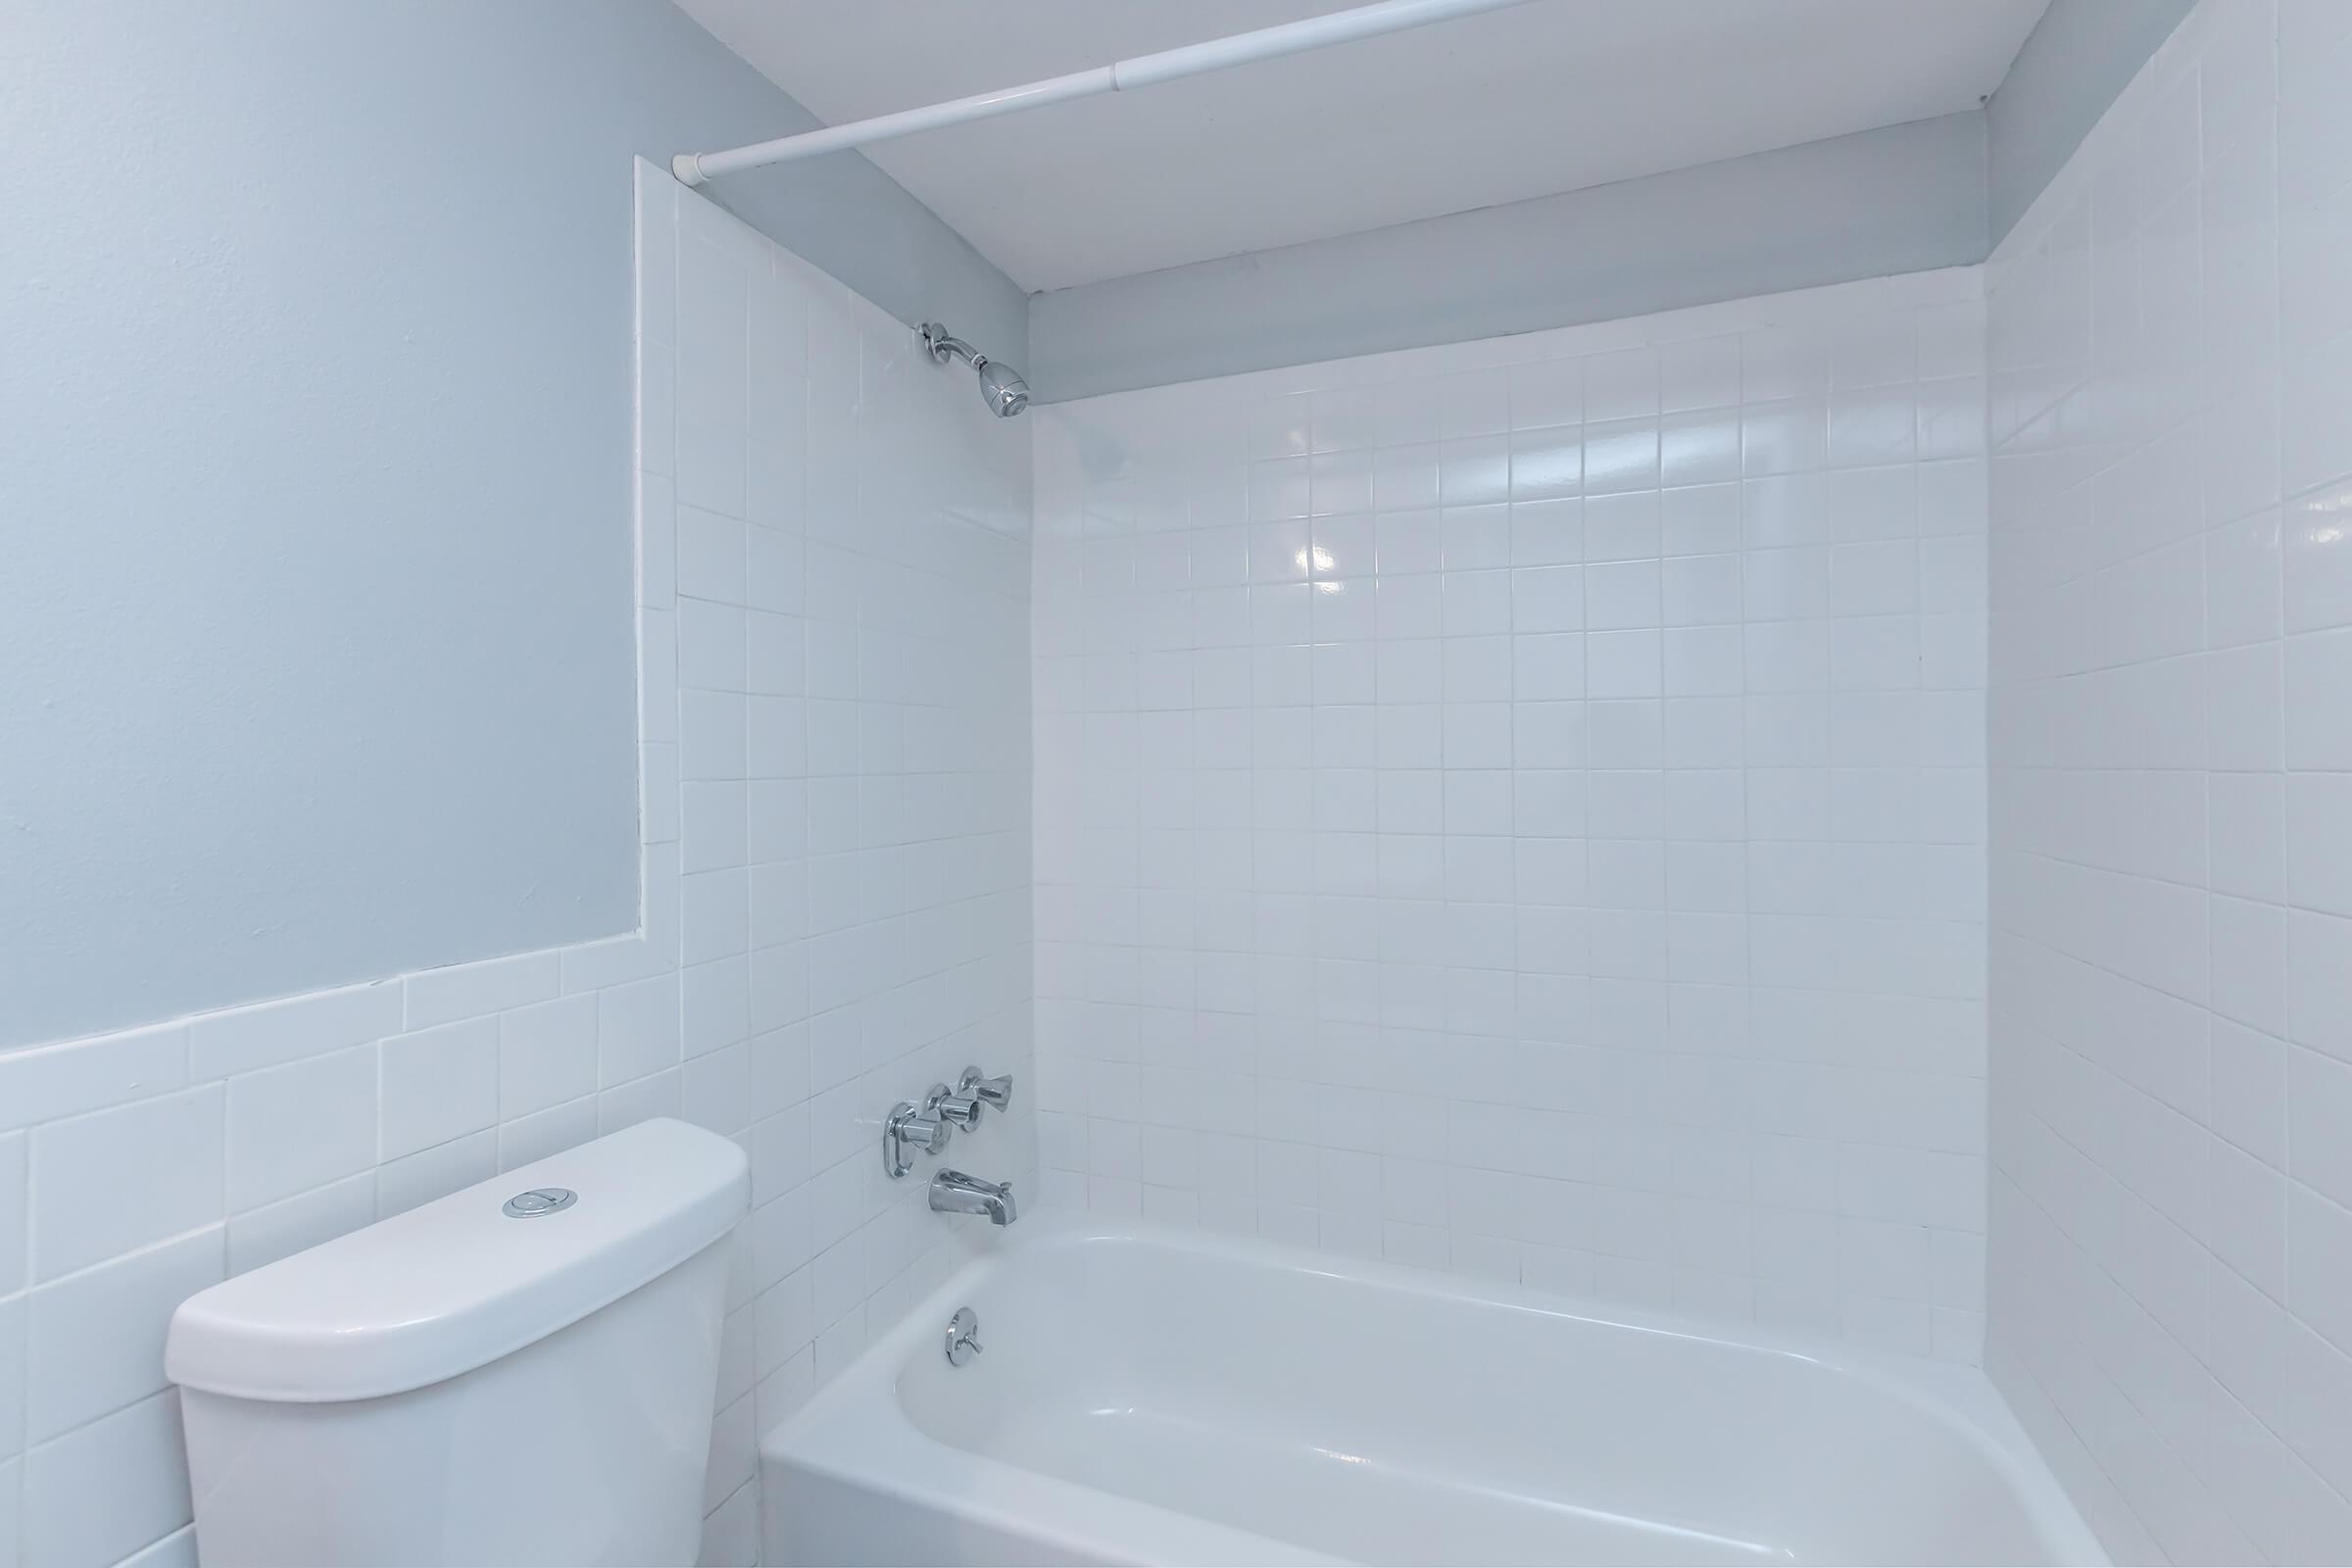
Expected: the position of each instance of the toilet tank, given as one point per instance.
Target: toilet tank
(477, 1380)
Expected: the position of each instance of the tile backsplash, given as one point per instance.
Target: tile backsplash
(833, 618)
(2171, 869)
(1518, 808)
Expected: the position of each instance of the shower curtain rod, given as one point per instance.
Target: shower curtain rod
(1143, 71)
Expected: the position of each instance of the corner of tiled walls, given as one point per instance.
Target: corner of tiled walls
(2170, 730)
(833, 614)
(1517, 807)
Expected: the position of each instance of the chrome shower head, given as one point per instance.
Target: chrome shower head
(1006, 393)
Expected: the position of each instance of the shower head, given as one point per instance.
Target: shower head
(1006, 393)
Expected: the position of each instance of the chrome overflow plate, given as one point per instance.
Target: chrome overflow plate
(964, 1336)
(539, 1200)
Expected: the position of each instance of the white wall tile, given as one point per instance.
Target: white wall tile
(248, 1039)
(1485, 841)
(176, 1550)
(713, 355)
(278, 1230)
(2168, 871)
(106, 1489)
(404, 1182)
(299, 1126)
(95, 1340)
(116, 1180)
(539, 1134)
(15, 1214)
(14, 1312)
(636, 1029)
(547, 1054)
(471, 989)
(437, 1084)
(51, 1082)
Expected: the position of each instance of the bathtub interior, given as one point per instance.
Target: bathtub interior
(1374, 1421)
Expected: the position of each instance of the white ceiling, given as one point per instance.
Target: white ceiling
(1548, 96)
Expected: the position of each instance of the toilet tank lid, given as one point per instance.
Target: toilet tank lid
(453, 1285)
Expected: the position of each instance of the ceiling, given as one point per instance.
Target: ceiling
(1548, 96)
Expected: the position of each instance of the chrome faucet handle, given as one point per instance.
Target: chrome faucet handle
(944, 1104)
(905, 1133)
(996, 1092)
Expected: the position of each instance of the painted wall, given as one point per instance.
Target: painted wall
(316, 391)
(1902, 199)
(2171, 778)
(1935, 193)
(1518, 808)
(833, 616)
(2078, 58)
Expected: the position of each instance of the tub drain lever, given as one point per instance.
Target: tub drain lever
(963, 1337)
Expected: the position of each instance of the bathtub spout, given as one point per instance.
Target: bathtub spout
(955, 1193)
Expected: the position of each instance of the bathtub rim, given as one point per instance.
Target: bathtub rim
(856, 1431)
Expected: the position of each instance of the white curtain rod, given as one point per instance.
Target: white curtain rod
(1145, 70)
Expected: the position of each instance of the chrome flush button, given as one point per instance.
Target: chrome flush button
(540, 1201)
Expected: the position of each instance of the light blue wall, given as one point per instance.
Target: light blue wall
(315, 658)
(1935, 193)
(314, 351)
(2078, 58)
(1896, 200)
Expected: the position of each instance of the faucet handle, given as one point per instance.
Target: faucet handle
(962, 1109)
(903, 1132)
(996, 1092)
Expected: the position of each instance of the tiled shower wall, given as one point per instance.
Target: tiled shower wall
(1518, 808)
(834, 619)
(2170, 740)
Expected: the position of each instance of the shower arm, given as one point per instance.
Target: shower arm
(942, 343)
(1143, 71)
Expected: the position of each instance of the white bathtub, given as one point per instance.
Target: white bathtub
(1151, 1397)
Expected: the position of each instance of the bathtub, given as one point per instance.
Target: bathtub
(1154, 1396)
